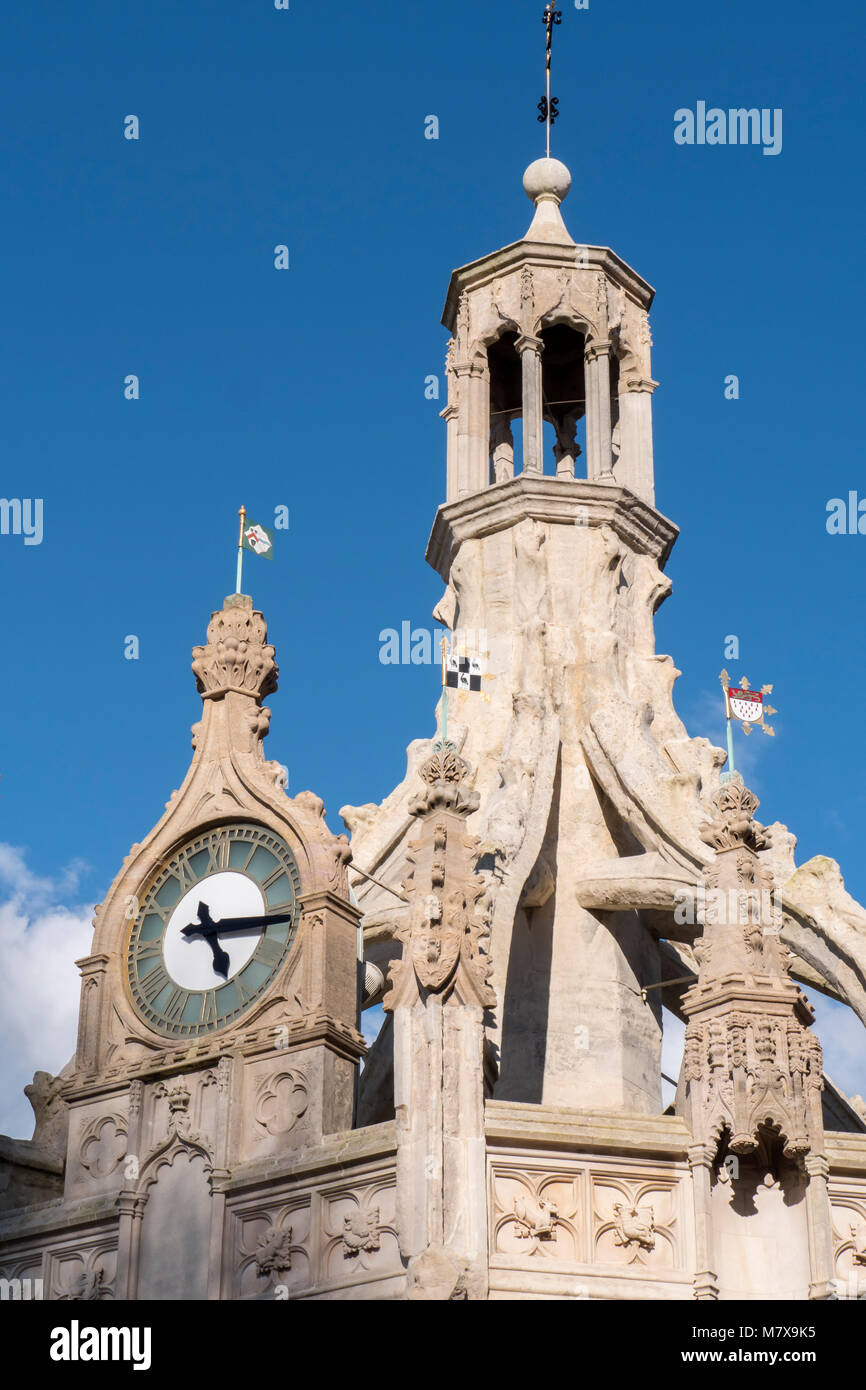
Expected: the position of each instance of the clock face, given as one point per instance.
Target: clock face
(213, 930)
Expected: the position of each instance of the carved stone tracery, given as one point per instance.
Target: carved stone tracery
(446, 936)
(751, 1064)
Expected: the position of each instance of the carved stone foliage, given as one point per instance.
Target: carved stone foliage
(273, 1253)
(750, 1071)
(174, 1108)
(236, 656)
(103, 1145)
(177, 1096)
(319, 1235)
(538, 1214)
(534, 1220)
(636, 1223)
(446, 936)
(273, 1248)
(734, 825)
(281, 1102)
(333, 850)
(586, 1214)
(359, 1231)
(635, 1226)
(82, 1275)
(751, 1065)
(848, 1212)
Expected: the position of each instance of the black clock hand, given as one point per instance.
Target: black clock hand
(207, 928)
(230, 924)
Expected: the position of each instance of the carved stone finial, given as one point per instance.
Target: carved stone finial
(734, 826)
(237, 656)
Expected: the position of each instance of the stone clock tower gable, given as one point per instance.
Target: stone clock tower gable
(231, 815)
(219, 1006)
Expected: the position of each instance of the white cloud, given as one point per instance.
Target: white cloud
(841, 1035)
(43, 931)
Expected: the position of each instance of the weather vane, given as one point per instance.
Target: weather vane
(548, 107)
(748, 707)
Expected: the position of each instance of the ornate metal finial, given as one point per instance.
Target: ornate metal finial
(548, 107)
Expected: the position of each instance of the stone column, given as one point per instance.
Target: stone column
(129, 1203)
(461, 430)
(597, 377)
(635, 467)
(701, 1164)
(439, 994)
(820, 1225)
(220, 1175)
(93, 970)
(530, 362)
(449, 415)
(478, 459)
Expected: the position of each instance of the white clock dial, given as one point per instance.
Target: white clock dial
(189, 986)
(189, 960)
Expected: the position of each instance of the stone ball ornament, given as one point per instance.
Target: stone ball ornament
(546, 178)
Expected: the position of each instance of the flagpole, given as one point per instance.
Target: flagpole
(242, 512)
(731, 768)
(728, 774)
(444, 693)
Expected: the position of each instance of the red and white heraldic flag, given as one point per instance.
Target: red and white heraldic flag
(747, 705)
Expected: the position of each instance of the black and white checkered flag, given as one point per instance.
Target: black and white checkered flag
(463, 672)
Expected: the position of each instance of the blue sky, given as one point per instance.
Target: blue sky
(305, 388)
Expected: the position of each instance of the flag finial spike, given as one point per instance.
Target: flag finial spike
(548, 107)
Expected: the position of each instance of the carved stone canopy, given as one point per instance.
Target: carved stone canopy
(751, 1064)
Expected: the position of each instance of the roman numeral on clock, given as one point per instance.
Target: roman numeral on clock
(208, 1015)
(269, 952)
(219, 853)
(186, 876)
(154, 983)
(151, 950)
(175, 1004)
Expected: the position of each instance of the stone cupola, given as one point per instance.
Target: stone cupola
(546, 330)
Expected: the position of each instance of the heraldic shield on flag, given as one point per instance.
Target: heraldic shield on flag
(463, 672)
(259, 539)
(747, 705)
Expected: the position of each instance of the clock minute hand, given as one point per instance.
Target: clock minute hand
(231, 924)
(209, 930)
